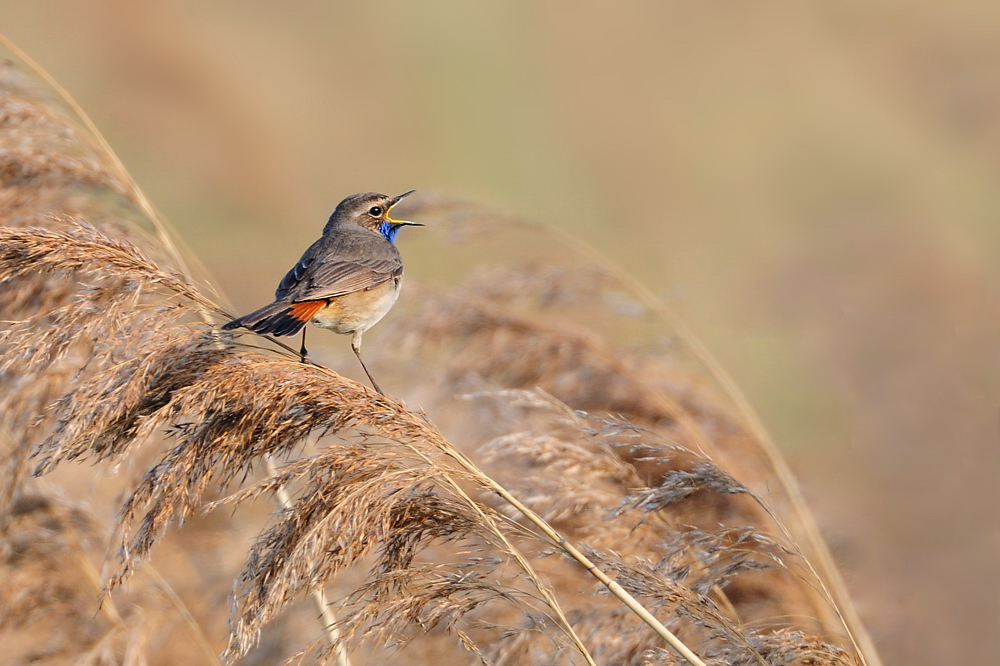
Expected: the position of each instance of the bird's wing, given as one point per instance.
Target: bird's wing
(294, 277)
(353, 263)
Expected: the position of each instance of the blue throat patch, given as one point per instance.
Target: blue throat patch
(389, 230)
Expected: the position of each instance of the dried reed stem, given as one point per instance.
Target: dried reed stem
(539, 585)
(329, 619)
(560, 541)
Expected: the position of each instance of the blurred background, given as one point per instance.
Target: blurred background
(814, 187)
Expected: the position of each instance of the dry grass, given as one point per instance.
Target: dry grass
(445, 548)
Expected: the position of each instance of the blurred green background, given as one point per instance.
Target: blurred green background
(814, 187)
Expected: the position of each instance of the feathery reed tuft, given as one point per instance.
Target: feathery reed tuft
(443, 548)
(227, 407)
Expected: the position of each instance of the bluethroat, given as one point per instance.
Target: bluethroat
(346, 281)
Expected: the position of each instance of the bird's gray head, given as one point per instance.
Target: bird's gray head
(371, 211)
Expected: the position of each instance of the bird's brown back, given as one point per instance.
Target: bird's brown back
(347, 259)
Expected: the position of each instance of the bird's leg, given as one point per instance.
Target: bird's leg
(356, 346)
(303, 352)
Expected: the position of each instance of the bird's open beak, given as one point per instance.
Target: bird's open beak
(402, 223)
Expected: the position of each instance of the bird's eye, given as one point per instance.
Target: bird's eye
(375, 211)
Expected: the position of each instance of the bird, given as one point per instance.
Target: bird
(345, 282)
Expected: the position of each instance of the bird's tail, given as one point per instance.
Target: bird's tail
(278, 318)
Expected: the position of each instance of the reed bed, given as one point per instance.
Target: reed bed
(469, 531)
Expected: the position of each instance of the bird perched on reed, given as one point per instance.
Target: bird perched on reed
(346, 281)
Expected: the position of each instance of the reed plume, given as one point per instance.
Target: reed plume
(510, 342)
(457, 546)
(226, 407)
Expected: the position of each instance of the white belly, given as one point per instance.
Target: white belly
(359, 311)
